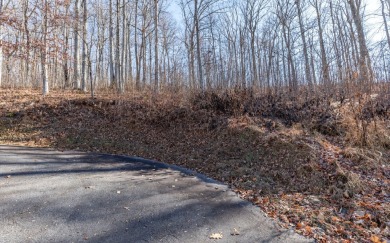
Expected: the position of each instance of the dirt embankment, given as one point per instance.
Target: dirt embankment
(319, 166)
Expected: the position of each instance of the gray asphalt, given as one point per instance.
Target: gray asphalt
(52, 196)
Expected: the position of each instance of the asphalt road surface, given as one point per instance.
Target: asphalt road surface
(51, 196)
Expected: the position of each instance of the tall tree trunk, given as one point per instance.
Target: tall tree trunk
(129, 57)
(90, 75)
(65, 54)
(123, 47)
(143, 52)
(27, 33)
(156, 65)
(242, 59)
(385, 23)
(271, 47)
(100, 47)
(192, 58)
(237, 66)
(305, 49)
(76, 81)
(84, 46)
(197, 34)
(137, 74)
(1, 46)
(324, 59)
(292, 76)
(65, 61)
(365, 69)
(118, 68)
(336, 48)
(45, 82)
(110, 46)
(254, 65)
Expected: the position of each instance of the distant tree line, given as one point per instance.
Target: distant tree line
(218, 44)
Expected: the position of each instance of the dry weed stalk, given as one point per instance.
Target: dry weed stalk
(363, 124)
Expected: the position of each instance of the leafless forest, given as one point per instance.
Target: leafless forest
(334, 46)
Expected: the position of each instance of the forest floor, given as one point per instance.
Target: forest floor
(320, 167)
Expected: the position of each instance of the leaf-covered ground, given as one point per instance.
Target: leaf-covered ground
(320, 176)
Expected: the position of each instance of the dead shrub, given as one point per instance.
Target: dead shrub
(366, 121)
(365, 157)
(345, 183)
(230, 102)
(329, 126)
(314, 112)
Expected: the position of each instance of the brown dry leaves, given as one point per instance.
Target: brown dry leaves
(304, 180)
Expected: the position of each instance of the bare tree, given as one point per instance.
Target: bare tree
(110, 46)
(267, 45)
(84, 46)
(137, 75)
(385, 21)
(76, 81)
(197, 34)
(252, 15)
(285, 16)
(365, 68)
(123, 48)
(118, 68)
(45, 81)
(324, 59)
(305, 49)
(156, 64)
(1, 48)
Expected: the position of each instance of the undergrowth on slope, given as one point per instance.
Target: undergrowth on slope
(317, 163)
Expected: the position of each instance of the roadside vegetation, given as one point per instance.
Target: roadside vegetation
(318, 164)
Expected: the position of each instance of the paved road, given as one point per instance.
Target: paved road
(50, 196)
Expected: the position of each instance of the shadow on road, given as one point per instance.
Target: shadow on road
(50, 196)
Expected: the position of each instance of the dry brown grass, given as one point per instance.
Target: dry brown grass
(366, 122)
(366, 158)
(271, 150)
